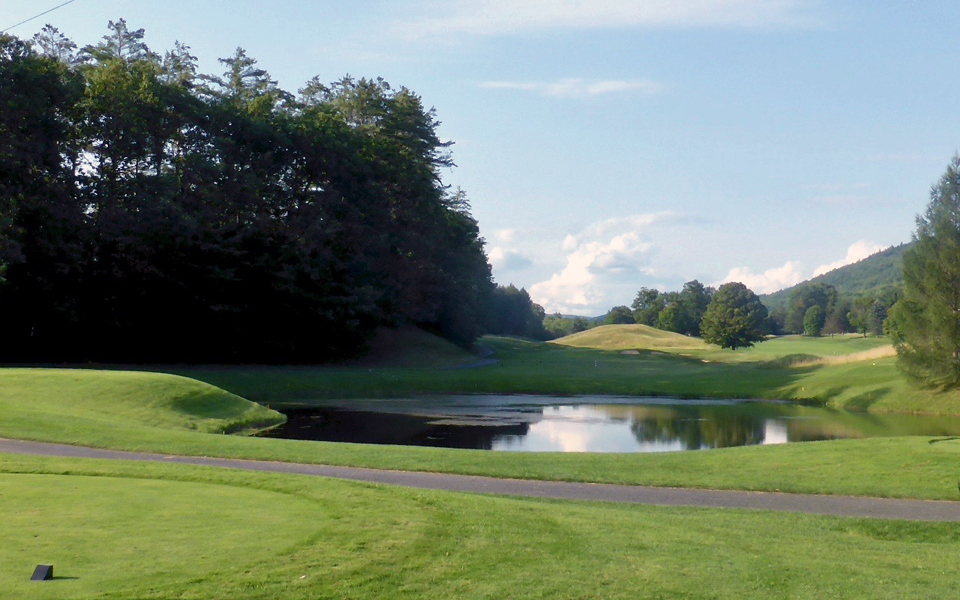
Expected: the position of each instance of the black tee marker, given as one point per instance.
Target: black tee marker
(42, 573)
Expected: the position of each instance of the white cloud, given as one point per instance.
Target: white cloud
(604, 261)
(792, 272)
(507, 235)
(857, 251)
(771, 280)
(579, 88)
(508, 260)
(499, 17)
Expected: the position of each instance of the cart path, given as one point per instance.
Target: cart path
(843, 506)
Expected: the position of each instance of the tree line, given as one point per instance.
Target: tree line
(731, 317)
(818, 309)
(149, 212)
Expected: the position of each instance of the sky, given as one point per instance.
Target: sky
(609, 145)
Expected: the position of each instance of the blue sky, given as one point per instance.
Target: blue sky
(607, 145)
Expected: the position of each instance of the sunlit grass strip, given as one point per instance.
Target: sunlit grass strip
(144, 531)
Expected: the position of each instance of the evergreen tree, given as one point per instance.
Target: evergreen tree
(121, 44)
(925, 323)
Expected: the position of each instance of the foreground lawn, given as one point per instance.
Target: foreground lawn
(125, 530)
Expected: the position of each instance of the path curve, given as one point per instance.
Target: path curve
(843, 506)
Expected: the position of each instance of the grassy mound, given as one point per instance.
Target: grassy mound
(80, 404)
(631, 337)
(411, 347)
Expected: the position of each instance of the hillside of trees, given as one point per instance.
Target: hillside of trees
(149, 212)
(869, 276)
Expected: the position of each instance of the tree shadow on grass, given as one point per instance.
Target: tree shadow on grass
(943, 439)
(864, 401)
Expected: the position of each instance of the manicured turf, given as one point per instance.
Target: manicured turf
(127, 530)
(142, 419)
(124, 530)
(159, 413)
(769, 371)
(80, 404)
(631, 337)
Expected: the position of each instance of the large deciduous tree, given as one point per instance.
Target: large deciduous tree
(150, 212)
(925, 322)
(813, 321)
(735, 317)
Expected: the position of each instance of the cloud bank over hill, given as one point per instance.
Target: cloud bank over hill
(608, 261)
(793, 272)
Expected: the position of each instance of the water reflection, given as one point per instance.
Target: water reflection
(527, 423)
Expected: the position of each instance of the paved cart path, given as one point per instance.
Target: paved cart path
(844, 506)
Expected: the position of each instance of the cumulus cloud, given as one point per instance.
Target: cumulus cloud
(606, 260)
(504, 17)
(857, 251)
(793, 272)
(771, 280)
(508, 260)
(579, 88)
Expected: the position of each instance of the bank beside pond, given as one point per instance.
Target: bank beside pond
(836, 372)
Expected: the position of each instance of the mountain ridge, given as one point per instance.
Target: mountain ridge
(876, 271)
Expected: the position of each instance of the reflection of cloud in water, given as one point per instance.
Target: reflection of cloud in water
(774, 432)
(554, 435)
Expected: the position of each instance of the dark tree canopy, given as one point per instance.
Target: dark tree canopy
(735, 317)
(149, 212)
(814, 320)
(680, 312)
(925, 323)
(512, 312)
(803, 298)
(647, 306)
(619, 315)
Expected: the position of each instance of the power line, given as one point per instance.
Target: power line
(37, 16)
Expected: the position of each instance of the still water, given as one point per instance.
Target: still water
(592, 423)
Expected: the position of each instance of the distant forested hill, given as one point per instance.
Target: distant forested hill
(863, 277)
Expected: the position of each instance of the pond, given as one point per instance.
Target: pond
(591, 423)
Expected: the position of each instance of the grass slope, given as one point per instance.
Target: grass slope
(150, 412)
(138, 531)
(74, 404)
(408, 346)
(630, 337)
(784, 368)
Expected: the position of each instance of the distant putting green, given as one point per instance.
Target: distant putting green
(141, 531)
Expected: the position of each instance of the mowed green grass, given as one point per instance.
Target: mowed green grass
(126, 530)
(78, 405)
(631, 337)
(782, 368)
(157, 413)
